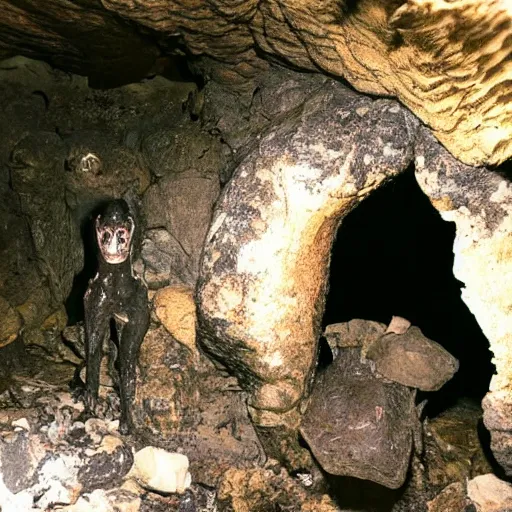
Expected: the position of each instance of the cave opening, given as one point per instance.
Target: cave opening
(393, 256)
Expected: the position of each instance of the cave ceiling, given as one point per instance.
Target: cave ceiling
(447, 61)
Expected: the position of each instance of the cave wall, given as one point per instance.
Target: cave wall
(304, 150)
(448, 62)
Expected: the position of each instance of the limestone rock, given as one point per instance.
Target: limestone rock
(483, 219)
(398, 325)
(446, 61)
(241, 118)
(158, 470)
(113, 53)
(184, 403)
(490, 494)
(100, 167)
(453, 450)
(105, 467)
(264, 489)
(37, 171)
(172, 150)
(166, 396)
(113, 500)
(265, 262)
(357, 425)
(413, 360)
(19, 277)
(175, 308)
(355, 333)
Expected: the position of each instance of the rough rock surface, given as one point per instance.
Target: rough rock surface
(175, 307)
(37, 176)
(447, 61)
(354, 333)
(103, 46)
(182, 204)
(482, 248)
(400, 353)
(358, 425)
(65, 148)
(413, 360)
(260, 315)
(268, 488)
(490, 494)
(453, 450)
(451, 499)
(184, 403)
(158, 470)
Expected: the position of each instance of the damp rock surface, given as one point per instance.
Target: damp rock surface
(358, 425)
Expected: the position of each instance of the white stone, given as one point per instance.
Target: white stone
(159, 470)
(96, 501)
(21, 423)
(10, 502)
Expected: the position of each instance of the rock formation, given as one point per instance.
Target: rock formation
(448, 61)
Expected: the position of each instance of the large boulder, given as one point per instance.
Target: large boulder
(266, 259)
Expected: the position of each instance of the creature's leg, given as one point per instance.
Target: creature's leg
(96, 328)
(131, 339)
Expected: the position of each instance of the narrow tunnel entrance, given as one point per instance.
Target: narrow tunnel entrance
(393, 255)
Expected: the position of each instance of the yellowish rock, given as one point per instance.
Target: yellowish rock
(57, 320)
(174, 306)
(10, 323)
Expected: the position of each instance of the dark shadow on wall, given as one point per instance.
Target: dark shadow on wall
(393, 255)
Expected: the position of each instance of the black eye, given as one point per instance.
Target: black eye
(105, 238)
(122, 236)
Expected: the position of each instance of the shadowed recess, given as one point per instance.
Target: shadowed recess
(393, 255)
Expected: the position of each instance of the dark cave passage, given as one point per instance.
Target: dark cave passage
(393, 255)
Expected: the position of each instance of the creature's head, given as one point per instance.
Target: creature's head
(114, 232)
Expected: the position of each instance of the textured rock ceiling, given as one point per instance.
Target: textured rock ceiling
(449, 61)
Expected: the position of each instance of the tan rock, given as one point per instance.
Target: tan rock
(36, 308)
(490, 494)
(175, 307)
(483, 261)
(260, 489)
(355, 333)
(57, 320)
(412, 360)
(266, 259)
(451, 499)
(447, 61)
(398, 325)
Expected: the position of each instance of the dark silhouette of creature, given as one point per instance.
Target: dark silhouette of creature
(115, 293)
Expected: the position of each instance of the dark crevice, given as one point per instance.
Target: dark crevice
(393, 255)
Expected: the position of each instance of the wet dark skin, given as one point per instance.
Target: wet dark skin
(115, 293)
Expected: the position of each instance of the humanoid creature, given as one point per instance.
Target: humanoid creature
(115, 293)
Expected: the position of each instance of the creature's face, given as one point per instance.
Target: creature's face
(114, 234)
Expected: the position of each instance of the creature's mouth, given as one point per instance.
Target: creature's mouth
(115, 259)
